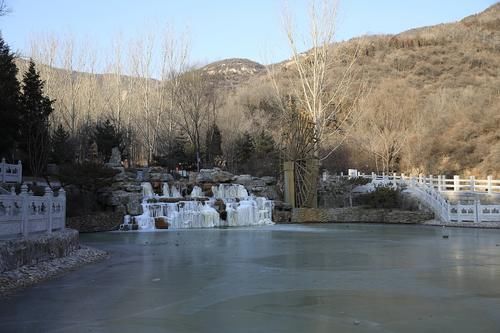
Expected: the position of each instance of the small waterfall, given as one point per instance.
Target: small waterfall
(147, 190)
(197, 192)
(174, 192)
(241, 209)
(166, 190)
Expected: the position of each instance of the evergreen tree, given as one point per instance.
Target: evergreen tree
(36, 108)
(213, 144)
(62, 150)
(107, 136)
(9, 100)
(245, 147)
(264, 143)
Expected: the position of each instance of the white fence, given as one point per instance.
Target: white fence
(24, 213)
(430, 190)
(11, 173)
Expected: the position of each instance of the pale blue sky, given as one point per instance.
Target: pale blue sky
(219, 29)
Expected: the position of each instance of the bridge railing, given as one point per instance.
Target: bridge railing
(430, 190)
(25, 213)
(11, 173)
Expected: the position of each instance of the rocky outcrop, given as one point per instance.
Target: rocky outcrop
(214, 175)
(96, 222)
(262, 187)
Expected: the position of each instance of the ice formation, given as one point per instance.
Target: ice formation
(197, 211)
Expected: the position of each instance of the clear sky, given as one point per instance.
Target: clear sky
(218, 29)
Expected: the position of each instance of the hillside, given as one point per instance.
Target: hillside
(445, 77)
(451, 71)
(230, 73)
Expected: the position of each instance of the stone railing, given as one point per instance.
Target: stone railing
(25, 213)
(11, 173)
(432, 191)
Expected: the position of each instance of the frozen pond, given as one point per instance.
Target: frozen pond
(314, 278)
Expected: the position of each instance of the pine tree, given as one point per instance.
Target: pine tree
(35, 111)
(213, 144)
(107, 136)
(9, 101)
(62, 150)
(245, 147)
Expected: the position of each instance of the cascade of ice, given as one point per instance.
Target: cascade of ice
(145, 220)
(147, 190)
(241, 209)
(166, 190)
(230, 191)
(196, 192)
(174, 192)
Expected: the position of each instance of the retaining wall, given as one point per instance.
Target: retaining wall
(37, 248)
(358, 214)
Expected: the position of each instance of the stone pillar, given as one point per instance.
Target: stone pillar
(456, 183)
(24, 210)
(48, 204)
(19, 172)
(289, 177)
(2, 166)
(62, 194)
(490, 185)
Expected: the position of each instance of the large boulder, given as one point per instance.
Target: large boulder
(116, 159)
(214, 175)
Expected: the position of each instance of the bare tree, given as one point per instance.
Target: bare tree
(142, 53)
(391, 118)
(194, 99)
(320, 103)
(4, 9)
(328, 101)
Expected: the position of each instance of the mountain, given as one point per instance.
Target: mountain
(452, 71)
(230, 73)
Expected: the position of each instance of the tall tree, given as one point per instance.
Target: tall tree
(4, 10)
(9, 100)
(62, 150)
(36, 108)
(107, 136)
(195, 98)
(213, 144)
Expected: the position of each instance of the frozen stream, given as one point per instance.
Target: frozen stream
(314, 278)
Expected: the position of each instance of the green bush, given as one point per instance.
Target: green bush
(384, 196)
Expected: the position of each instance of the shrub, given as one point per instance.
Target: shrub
(384, 196)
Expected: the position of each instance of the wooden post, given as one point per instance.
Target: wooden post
(456, 183)
(431, 181)
(472, 183)
(439, 183)
(313, 166)
(288, 169)
(490, 185)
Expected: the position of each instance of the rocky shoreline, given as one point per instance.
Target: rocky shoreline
(28, 275)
